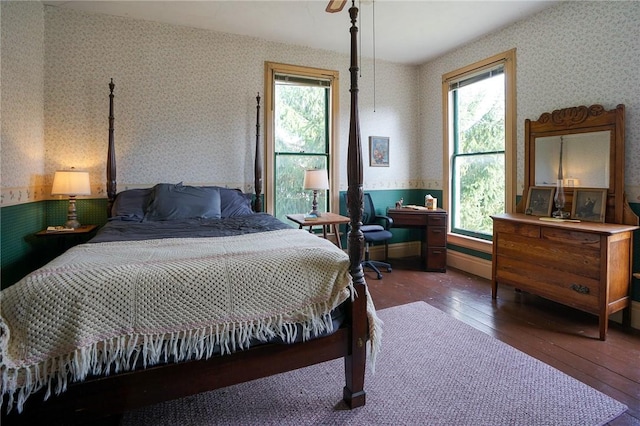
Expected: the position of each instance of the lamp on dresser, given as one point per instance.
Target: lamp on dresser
(316, 180)
(72, 183)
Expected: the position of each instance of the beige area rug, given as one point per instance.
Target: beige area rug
(433, 370)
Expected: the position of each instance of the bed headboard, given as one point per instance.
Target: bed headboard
(112, 185)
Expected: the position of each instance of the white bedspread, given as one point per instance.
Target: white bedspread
(104, 307)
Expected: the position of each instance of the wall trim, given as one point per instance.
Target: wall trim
(471, 264)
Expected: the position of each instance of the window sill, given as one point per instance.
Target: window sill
(477, 244)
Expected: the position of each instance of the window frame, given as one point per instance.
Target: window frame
(271, 70)
(508, 59)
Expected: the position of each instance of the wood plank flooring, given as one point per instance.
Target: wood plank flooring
(562, 337)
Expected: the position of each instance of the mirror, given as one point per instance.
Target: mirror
(585, 160)
(591, 141)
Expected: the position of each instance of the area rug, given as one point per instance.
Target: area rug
(433, 370)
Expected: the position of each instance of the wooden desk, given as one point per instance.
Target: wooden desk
(584, 265)
(434, 237)
(326, 220)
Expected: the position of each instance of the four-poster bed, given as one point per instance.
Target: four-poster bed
(105, 396)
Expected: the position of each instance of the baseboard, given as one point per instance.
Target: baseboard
(471, 264)
(476, 266)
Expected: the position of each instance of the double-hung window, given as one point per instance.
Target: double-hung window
(300, 129)
(479, 145)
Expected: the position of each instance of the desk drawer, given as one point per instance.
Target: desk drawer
(437, 220)
(436, 259)
(436, 236)
(409, 219)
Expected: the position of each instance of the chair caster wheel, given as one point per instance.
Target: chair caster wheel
(388, 269)
(379, 276)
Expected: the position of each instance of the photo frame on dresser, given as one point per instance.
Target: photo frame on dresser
(540, 200)
(589, 204)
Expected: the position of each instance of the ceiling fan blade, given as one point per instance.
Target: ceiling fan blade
(335, 5)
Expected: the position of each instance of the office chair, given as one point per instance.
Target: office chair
(375, 229)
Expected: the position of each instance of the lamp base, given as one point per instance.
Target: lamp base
(559, 214)
(69, 224)
(72, 217)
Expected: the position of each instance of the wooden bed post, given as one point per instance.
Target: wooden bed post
(111, 157)
(355, 362)
(257, 172)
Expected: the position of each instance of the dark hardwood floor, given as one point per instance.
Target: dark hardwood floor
(562, 337)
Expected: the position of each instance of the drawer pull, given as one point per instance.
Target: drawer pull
(437, 252)
(580, 288)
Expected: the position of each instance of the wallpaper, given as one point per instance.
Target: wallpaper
(185, 98)
(185, 103)
(576, 53)
(22, 104)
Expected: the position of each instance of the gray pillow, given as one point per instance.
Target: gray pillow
(131, 204)
(171, 202)
(233, 202)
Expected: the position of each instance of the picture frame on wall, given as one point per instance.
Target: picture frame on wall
(589, 204)
(540, 200)
(378, 151)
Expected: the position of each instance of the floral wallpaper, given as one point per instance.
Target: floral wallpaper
(576, 53)
(185, 103)
(22, 126)
(185, 97)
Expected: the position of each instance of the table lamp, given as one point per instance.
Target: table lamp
(71, 182)
(316, 180)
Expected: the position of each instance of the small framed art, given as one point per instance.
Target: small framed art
(589, 204)
(540, 200)
(378, 151)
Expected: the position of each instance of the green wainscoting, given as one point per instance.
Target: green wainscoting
(22, 251)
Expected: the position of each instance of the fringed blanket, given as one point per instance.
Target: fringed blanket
(107, 307)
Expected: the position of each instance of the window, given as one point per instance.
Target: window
(479, 145)
(300, 107)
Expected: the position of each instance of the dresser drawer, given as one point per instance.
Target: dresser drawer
(572, 238)
(550, 255)
(563, 286)
(516, 228)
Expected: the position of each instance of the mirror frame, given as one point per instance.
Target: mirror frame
(582, 119)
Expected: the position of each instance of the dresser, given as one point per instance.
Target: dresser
(584, 265)
(433, 226)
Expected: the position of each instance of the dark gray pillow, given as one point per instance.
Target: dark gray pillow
(171, 202)
(131, 204)
(233, 202)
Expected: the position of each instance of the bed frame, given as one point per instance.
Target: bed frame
(105, 399)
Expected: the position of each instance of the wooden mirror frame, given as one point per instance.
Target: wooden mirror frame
(583, 119)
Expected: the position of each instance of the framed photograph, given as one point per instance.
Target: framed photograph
(589, 204)
(540, 200)
(378, 151)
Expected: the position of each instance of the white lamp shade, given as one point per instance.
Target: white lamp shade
(71, 182)
(316, 179)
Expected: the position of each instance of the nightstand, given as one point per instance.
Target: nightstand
(326, 220)
(69, 238)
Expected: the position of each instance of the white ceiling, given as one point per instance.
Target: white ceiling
(410, 32)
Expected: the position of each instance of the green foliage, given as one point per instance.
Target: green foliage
(479, 182)
(301, 143)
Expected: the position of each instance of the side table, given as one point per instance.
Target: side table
(68, 238)
(326, 220)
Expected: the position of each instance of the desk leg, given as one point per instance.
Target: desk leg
(337, 232)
